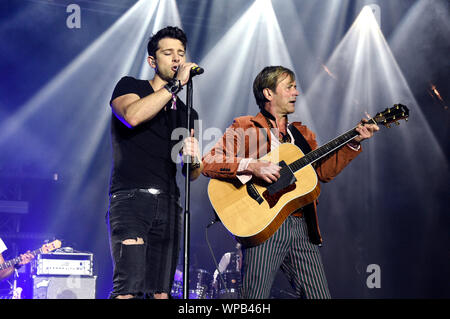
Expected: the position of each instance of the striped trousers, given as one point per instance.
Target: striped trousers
(289, 249)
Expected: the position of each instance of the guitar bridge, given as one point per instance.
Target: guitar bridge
(253, 193)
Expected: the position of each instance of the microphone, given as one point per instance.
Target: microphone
(196, 70)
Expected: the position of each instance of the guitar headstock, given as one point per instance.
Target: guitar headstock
(392, 115)
(51, 246)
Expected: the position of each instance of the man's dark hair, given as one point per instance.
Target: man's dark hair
(269, 78)
(167, 32)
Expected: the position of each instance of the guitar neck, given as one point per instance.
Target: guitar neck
(15, 261)
(324, 150)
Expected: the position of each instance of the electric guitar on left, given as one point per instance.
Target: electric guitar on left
(46, 248)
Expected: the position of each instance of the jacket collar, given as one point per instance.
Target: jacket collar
(260, 120)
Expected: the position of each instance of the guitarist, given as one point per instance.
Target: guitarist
(25, 259)
(295, 246)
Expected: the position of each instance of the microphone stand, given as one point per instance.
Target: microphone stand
(187, 213)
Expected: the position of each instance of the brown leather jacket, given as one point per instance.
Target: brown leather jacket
(249, 137)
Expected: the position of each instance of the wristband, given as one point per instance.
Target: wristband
(195, 165)
(173, 86)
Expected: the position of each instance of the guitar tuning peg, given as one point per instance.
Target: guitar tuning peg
(406, 119)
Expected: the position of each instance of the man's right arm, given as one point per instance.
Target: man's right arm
(5, 272)
(224, 160)
(266, 171)
(132, 110)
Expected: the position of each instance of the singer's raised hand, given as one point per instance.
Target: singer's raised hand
(184, 71)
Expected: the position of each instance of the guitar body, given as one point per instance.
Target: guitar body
(253, 213)
(253, 222)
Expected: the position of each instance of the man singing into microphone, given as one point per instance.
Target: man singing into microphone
(144, 216)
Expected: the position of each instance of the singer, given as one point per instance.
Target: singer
(144, 216)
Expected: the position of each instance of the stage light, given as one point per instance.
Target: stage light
(376, 11)
(354, 75)
(362, 76)
(64, 127)
(428, 42)
(225, 91)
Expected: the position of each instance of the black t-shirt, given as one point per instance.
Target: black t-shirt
(142, 156)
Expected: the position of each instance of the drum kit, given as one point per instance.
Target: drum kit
(203, 286)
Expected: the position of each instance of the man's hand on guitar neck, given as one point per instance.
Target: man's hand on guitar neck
(266, 171)
(365, 131)
(26, 258)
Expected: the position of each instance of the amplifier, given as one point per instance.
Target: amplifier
(64, 264)
(64, 287)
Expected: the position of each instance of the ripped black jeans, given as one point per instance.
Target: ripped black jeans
(143, 269)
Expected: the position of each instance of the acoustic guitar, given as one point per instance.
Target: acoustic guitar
(253, 212)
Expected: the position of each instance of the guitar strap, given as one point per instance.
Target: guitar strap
(308, 210)
(299, 140)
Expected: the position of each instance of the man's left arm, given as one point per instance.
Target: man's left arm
(332, 165)
(24, 259)
(191, 148)
(5, 272)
